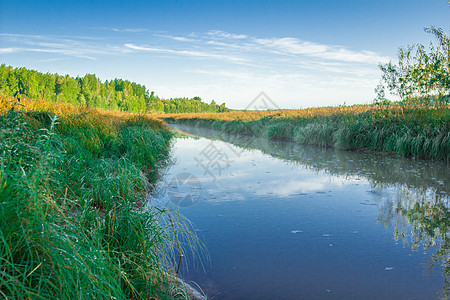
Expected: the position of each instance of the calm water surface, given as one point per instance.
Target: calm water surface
(284, 221)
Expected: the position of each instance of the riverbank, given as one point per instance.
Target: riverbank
(412, 131)
(72, 221)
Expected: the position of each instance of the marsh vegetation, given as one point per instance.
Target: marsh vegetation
(408, 130)
(73, 220)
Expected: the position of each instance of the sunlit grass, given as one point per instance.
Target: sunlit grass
(72, 220)
(247, 116)
(420, 131)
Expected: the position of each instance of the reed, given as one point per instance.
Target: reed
(408, 130)
(72, 220)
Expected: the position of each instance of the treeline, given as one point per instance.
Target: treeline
(90, 91)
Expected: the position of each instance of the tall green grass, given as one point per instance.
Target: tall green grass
(414, 131)
(72, 221)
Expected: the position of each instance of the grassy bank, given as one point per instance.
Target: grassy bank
(413, 131)
(72, 189)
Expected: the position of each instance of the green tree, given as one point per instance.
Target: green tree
(421, 74)
(46, 86)
(4, 73)
(67, 90)
(90, 91)
(90, 88)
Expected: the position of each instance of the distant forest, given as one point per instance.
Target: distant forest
(90, 91)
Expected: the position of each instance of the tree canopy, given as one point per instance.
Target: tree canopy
(420, 74)
(90, 91)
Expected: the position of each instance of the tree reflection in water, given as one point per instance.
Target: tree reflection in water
(421, 219)
(419, 209)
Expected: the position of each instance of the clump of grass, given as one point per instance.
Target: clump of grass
(72, 223)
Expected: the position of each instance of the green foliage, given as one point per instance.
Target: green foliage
(421, 218)
(420, 75)
(421, 132)
(71, 218)
(185, 105)
(90, 91)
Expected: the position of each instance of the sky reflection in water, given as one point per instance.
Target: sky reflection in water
(308, 223)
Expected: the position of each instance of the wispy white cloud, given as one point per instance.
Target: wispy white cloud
(291, 45)
(79, 47)
(226, 46)
(8, 50)
(20, 35)
(127, 30)
(223, 34)
(199, 54)
(295, 46)
(141, 48)
(66, 52)
(177, 38)
(276, 48)
(182, 39)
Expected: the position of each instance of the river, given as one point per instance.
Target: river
(285, 221)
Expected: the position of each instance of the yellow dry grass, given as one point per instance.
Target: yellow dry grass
(247, 116)
(6, 102)
(62, 109)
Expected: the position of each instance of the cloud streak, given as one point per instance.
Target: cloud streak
(8, 50)
(77, 47)
(177, 38)
(225, 35)
(197, 54)
(295, 46)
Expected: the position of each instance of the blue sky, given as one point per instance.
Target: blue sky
(300, 53)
